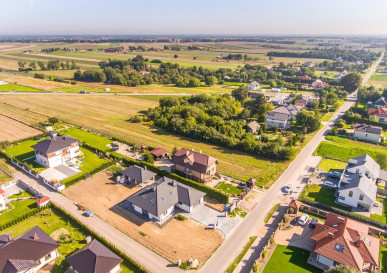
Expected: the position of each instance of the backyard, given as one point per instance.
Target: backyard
(20, 208)
(329, 165)
(230, 189)
(55, 223)
(93, 140)
(322, 195)
(288, 259)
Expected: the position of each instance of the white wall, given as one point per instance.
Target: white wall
(366, 136)
(354, 200)
(184, 207)
(276, 123)
(43, 262)
(168, 212)
(115, 269)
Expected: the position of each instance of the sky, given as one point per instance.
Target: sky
(129, 17)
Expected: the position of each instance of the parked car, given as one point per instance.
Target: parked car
(313, 223)
(303, 220)
(334, 175)
(83, 92)
(330, 184)
(288, 188)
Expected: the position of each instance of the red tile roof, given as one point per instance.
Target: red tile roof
(379, 112)
(2, 191)
(42, 200)
(158, 152)
(358, 246)
(199, 161)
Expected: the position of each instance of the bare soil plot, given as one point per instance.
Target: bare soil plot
(12, 130)
(175, 240)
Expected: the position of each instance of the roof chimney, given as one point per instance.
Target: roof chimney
(200, 151)
(88, 239)
(174, 184)
(358, 242)
(357, 170)
(35, 237)
(340, 220)
(145, 168)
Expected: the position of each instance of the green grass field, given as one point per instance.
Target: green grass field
(230, 189)
(381, 218)
(343, 149)
(50, 224)
(326, 117)
(21, 194)
(94, 140)
(322, 195)
(383, 258)
(378, 77)
(328, 165)
(18, 88)
(21, 208)
(288, 259)
(90, 160)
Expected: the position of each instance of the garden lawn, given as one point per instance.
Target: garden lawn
(18, 88)
(383, 258)
(91, 161)
(93, 140)
(53, 222)
(288, 259)
(230, 189)
(329, 165)
(22, 194)
(322, 195)
(345, 149)
(381, 218)
(21, 208)
(326, 117)
(22, 150)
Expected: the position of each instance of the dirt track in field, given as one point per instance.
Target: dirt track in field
(175, 240)
(12, 130)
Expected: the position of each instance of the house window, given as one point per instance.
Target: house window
(48, 256)
(187, 170)
(341, 197)
(339, 247)
(361, 197)
(350, 194)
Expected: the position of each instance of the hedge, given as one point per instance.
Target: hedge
(103, 240)
(350, 120)
(23, 217)
(211, 192)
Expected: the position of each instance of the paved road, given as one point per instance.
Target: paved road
(139, 253)
(226, 253)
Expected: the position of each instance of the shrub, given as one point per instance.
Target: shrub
(142, 233)
(285, 219)
(272, 240)
(181, 217)
(256, 267)
(265, 253)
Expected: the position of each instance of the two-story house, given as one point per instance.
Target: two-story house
(367, 132)
(195, 165)
(56, 150)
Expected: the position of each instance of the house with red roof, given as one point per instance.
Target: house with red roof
(195, 165)
(2, 200)
(319, 85)
(379, 113)
(159, 153)
(344, 241)
(143, 72)
(41, 202)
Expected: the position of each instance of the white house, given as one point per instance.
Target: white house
(278, 120)
(27, 253)
(2, 200)
(56, 150)
(253, 85)
(357, 186)
(367, 132)
(159, 200)
(277, 90)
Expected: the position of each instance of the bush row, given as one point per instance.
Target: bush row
(350, 120)
(102, 240)
(21, 218)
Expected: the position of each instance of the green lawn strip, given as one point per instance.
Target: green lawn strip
(22, 194)
(328, 165)
(326, 117)
(230, 189)
(20, 208)
(271, 212)
(22, 150)
(383, 258)
(235, 263)
(90, 161)
(94, 140)
(322, 195)
(381, 218)
(53, 222)
(18, 88)
(288, 259)
(343, 149)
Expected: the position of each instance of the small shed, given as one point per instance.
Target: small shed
(159, 153)
(295, 206)
(89, 213)
(251, 182)
(41, 202)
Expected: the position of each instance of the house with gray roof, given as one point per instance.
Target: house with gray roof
(358, 183)
(367, 132)
(27, 253)
(253, 127)
(291, 110)
(94, 258)
(159, 200)
(56, 150)
(278, 120)
(138, 175)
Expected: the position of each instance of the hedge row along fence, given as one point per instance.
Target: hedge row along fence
(351, 120)
(22, 218)
(344, 213)
(109, 245)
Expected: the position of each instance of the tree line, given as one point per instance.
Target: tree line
(51, 65)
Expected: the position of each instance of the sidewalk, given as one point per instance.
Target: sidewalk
(136, 251)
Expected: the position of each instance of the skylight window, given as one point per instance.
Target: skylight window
(368, 242)
(339, 247)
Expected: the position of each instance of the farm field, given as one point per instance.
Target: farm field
(54, 223)
(12, 130)
(110, 118)
(344, 149)
(176, 240)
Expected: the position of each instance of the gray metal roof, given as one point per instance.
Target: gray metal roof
(52, 145)
(368, 128)
(162, 195)
(381, 101)
(365, 165)
(277, 116)
(94, 258)
(138, 173)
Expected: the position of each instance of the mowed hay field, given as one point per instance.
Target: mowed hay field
(109, 115)
(12, 130)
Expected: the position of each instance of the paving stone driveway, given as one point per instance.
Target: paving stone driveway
(208, 216)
